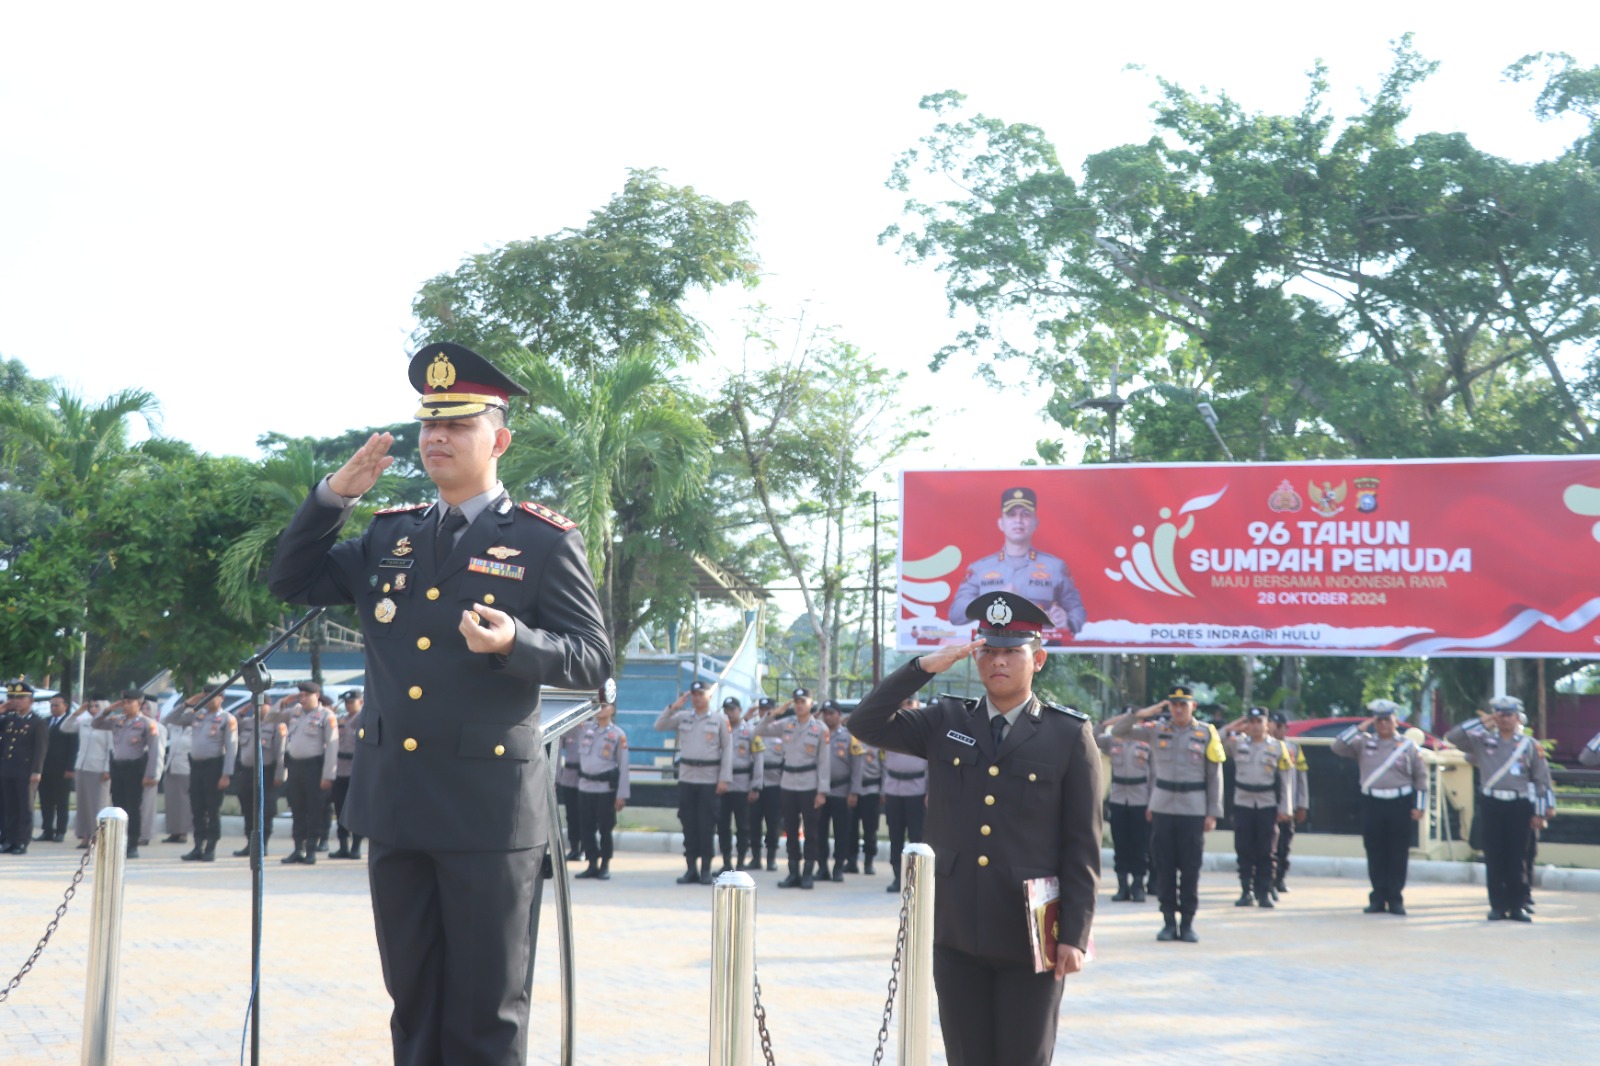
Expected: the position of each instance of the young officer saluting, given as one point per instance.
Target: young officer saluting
(1014, 794)
(1394, 784)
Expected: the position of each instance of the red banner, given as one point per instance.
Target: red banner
(1474, 557)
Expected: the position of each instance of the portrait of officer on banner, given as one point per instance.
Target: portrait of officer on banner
(1021, 568)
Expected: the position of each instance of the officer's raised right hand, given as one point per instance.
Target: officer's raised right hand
(1152, 710)
(362, 470)
(937, 662)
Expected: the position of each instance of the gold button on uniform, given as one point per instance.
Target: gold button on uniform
(410, 744)
(983, 860)
(488, 597)
(416, 692)
(956, 761)
(423, 643)
(433, 594)
(994, 771)
(386, 586)
(1033, 777)
(361, 734)
(988, 801)
(499, 749)
(985, 830)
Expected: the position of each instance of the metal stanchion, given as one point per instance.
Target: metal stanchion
(105, 938)
(733, 968)
(916, 990)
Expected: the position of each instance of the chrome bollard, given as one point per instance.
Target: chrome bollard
(733, 969)
(105, 938)
(916, 968)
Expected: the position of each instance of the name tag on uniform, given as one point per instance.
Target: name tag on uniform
(962, 737)
(496, 569)
(396, 564)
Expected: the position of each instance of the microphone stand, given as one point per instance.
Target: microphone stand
(256, 677)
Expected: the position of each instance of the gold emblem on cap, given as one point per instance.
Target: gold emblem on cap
(384, 611)
(1018, 494)
(441, 372)
(999, 613)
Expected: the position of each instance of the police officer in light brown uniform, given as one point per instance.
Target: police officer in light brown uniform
(312, 751)
(603, 788)
(867, 787)
(705, 768)
(766, 792)
(135, 758)
(213, 754)
(349, 730)
(567, 789)
(1014, 792)
(1394, 787)
(1184, 804)
(841, 759)
(804, 784)
(271, 775)
(905, 798)
(733, 806)
(1128, 801)
(1263, 798)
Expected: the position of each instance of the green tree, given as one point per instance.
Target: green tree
(584, 296)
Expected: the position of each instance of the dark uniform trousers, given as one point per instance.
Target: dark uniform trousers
(799, 808)
(127, 792)
(16, 807)
(766, 817)
(1386, 832)
(697, 810)
(305, 798)
(1177, 845)
(1281, 856)
(1254, 838)
(733, 823)
(245, 788)
(341, 789)
(1506, 830)
(571, 801)
(864, 825)
(995, 1014)
(905, 814)
(597, 817)
(835, 818)
(54, 788)
(1130, 839)
(205, 801)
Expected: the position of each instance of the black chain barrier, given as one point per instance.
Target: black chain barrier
(61, 912)
(907, 891)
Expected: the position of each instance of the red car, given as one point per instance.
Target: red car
(1332, 727)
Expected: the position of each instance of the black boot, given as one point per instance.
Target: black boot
(1279, 888)
(355, 846)
(210, 854)
(344, 845)
(1124, 894)
(691, 876)
(1186, 931)
(1169, 931)
(605, 871)
(593, 870)
(194, 854)
(175, 838)
(294, 856)
(850, 867)
(772, 860)
(894, 885)
(705, 872)
(806, 878)
(1246, 898)
(727, 864)
(1136, 889)
(838, 870)
(574, 853)
(793, 880)
(866, 866)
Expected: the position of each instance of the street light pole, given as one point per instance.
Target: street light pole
(1210, 416)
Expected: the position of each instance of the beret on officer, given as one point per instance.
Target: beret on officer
(1007, 620)
(1505, 705)
(1383, 708)
(457, 382)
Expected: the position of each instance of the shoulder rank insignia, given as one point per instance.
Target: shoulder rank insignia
(971, 705)
(404, 508)
(539, 510)
(1070, 711)
(856, 748)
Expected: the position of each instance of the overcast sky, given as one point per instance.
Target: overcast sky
(233, 206)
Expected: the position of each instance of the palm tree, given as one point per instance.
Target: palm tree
(624, 450)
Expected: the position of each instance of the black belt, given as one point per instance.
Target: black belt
(742, 769)
(1115, 780)
(1254, 788)
(898, 776)
(204, 758)
(347, 755)
(700, 762)
(609, 775)
(799, 769)
(307, 758)
(129, 762)
(872, 780)
(1181, 786)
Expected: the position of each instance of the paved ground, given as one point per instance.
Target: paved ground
(1314, 981)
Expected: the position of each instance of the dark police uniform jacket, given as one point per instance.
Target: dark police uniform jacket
(447, 756)
(997, 819)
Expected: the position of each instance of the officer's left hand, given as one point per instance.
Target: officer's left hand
(1299, 815)
(327, 786)
(223, 782)
(33, 779)
(1211, 823)
(850, 800)
(822, 801)
(1537, 822)
(149, 782)
(621, 804)
(1283, 817)
(722, 788)
(1416, 815)
(1068, 960)
(494, 637)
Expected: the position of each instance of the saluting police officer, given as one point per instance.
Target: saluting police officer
(705, 767)
(135, 758)
(1514, 800)
(766, 792)
(312, 751)
(867, 787)
(1185, 803)
(24, 739)
(272, 740)
(733, 806)
(1128, 801)
(1277, 726)
(804, 784)
(603, 787)
(905, 798)
(1394, 787)
(842, 748)
(213, 753)
(1263, 799)
(468, 605)
(1014, 794)
(349, 725)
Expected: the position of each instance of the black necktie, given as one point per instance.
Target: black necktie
(454, 522)
(997, 729)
